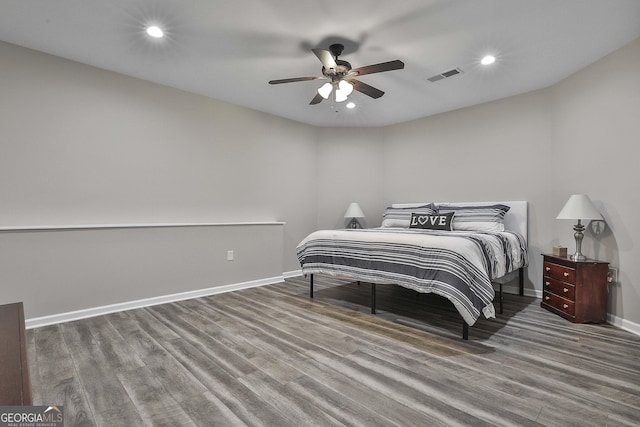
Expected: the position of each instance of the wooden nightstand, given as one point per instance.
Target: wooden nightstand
(575, 290)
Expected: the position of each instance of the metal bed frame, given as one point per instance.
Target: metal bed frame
(465, 325)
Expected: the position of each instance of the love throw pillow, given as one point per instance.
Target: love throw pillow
(432, 222)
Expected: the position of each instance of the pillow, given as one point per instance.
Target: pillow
(440, 221)
(477, 218)
(401, 217)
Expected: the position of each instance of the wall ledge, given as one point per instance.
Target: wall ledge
(142, 225)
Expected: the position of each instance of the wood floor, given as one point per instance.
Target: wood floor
(270, 356)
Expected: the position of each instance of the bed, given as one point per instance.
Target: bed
(455, 250)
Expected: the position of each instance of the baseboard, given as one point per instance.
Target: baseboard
(130, 305)
(616, 321)
(621, 323)
(147, 302)
(290, 274)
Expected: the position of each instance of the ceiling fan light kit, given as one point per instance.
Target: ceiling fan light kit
(342, 78)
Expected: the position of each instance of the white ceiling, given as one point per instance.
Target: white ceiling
(230, 49)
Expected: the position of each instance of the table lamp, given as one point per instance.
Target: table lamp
(579, 206)
(354, 213)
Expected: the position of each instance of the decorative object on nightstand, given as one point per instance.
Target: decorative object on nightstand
(579, 206)
(354, 213)
(560, 251)
(575, 290)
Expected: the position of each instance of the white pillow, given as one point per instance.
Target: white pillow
(401, 217)
(476, 217)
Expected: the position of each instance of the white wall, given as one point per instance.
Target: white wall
(84, 145)
(596, 134)
(350, 169)
(64, 271)
(80, 145)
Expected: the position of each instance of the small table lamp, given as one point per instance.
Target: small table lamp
(353, 212)
(579, 206)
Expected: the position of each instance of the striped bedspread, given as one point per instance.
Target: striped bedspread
(458, 265)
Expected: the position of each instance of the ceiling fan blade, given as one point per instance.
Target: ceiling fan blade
(366, 89)
(325, 57)
(378, 68)
(295, 79)
(316, 99)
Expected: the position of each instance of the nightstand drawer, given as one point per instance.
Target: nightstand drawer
(563, 289)
(558, 303)
(559, 272)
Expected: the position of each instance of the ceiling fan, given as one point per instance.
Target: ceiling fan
(342, 78)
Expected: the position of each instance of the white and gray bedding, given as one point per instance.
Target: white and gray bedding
(458, 265)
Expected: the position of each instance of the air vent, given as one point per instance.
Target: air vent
(445, 75)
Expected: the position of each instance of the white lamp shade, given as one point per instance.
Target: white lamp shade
(579, 206)
(344, 90)
(325, 90)
(345, 87)
(354, 211)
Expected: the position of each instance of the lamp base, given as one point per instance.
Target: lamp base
(578, 228)
(354, 223)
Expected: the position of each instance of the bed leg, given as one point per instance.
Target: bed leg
(500, 298)
(311, 286)
(373, 298)
(465, 330)
(521, 280)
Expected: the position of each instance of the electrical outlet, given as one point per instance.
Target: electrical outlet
(612, 275)
(229, 255)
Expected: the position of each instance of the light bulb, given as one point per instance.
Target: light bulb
(344, 90)
(346, 87)
(325, 90)
(488, 60)
(155, 31)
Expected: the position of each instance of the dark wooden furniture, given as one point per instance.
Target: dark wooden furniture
(15, 386)
(575, 290)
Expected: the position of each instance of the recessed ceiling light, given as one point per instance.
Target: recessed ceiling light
(488, 60)
(351, 105)
(155, 31)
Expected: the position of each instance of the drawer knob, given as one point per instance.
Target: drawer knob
(547, 268)
(565, 290)
(565, 306)
(566, 274)
(546, 298)
(547, 283)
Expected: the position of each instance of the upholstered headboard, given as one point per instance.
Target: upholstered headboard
(515, 220)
